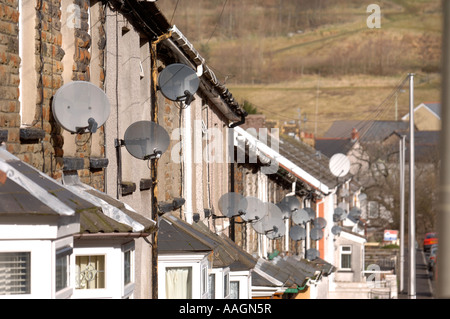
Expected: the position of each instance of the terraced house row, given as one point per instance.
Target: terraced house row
(110, 188)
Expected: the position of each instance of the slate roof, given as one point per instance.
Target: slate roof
(369, 131)
(307, 158)
(25, 190)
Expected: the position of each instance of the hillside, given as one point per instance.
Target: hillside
(316, 59)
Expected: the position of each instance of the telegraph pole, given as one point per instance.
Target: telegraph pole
(443, 280)
(402, 213)
(412, 208)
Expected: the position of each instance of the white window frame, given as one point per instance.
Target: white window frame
(343, 252)
(128, 288)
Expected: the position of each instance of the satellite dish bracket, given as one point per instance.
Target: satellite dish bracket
(188, 97)
(92, 127)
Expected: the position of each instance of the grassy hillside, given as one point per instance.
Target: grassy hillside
(316, 56)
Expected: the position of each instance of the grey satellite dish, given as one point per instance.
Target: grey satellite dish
(300, 217)
(285, 210)
(354, 214)
(80, 107)
(316, 234)
(339, 214)
(178, 82)
(320, 222)
(336, 230)
(311, 212)
(339, 165)
(229, 204)
(146, 140)
(297, 233)
(252, 209)
(292, 202)
(262, 226)
(276, 221)
(312, 254)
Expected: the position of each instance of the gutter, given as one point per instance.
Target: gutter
(209, 85)
(109, 235)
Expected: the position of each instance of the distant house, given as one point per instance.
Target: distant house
(427, 116)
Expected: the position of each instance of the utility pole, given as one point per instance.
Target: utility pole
(443, 281)
(412, 208)
(402, 212)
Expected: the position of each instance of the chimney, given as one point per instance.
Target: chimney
(355, 135)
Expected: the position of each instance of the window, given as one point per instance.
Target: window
(226, 285)
(346, 257)
(178, 282)
(15, 273)
(212, 286)
(204, 280)
(234, 289)
(62, 268)
(127, 267)
(90, 272)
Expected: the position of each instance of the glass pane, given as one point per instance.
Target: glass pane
(234, 289)
(127, 267)
(62, 271)
(90, 272)
(15, 273)
(212, 286)
(226, 285)
(346, 261)
(179, 282)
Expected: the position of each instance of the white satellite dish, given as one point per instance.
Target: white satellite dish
(178, 82)
(339, 165)
(272, 224)
(80, 107)
(252, 209)
(146, 140)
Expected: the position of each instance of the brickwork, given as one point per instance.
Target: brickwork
(9, 73)
(46, 154)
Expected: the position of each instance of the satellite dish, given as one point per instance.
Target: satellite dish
(297, 233)
(339, 165)
(300, 217)
(354, 213)
(146, 140)
(312, 254)
(229, 204)
(320, 222)
(316, 234)
(252, 209)
(339, 214)
(178, 82)
(311, 213)
(336, 230)
(276, 221)
(292, 202)
(80, 107)
(285, 210)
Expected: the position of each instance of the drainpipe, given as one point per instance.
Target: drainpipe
(187, 158)
(154, 161)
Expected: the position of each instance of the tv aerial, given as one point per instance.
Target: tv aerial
(80, 107)
(178, 83)
(339, 165)
(146, 140)
(229, 204)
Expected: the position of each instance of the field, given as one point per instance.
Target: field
(297, 59)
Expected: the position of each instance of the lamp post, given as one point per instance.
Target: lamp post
(412, 213)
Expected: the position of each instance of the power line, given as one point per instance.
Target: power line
(218, 21)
